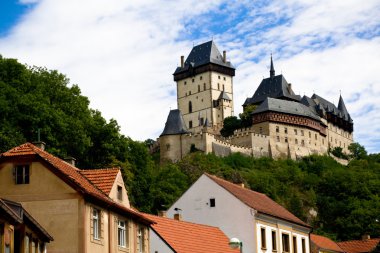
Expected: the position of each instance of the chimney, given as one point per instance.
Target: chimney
(182, 61)
(242, 185)
(366, 237)
(162, 214)
(70, 160)
(40, 144)
(224, 56)
(177, 216)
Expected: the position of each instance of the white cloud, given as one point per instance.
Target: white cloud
(122, 53)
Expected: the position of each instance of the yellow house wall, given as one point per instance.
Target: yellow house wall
(113, 193)
(53, 203)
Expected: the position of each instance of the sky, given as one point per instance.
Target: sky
(122, 53)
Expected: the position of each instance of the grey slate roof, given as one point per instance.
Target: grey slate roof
(341, 111)
(223, 95)
(203, 54)
(175, 124)
(342, 108)
(274, 87)
(309, 102)
(285, 106)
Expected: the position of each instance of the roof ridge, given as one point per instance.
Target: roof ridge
(111, 168)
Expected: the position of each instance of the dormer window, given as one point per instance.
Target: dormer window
(212, 202)
(22, 174)
(119, 192)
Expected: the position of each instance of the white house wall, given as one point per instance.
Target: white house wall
(157, 245)
(231, 215)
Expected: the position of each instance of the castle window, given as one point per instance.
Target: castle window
(316, 136)
(323, 141)
(278, 138)
(277, 129)
(192, 80)
(200, 78)
(296, 141)
(309, 134)
(295, 131)
(190, 124)
(204, 86)
(190, 107)
(302, 143)
(167, 146)
(185, 83)
(189, 92)
(223, 87)
(212, 202)
(286, 130)
(218, 77)
(344, 145)
(224, 78)
(199, 88)
(286, 139)
(218, 86)
(302, 133)
(21, 173)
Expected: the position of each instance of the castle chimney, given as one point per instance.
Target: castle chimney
(182, 61)
(40, 144)
(178, 216)
(224, 56)
(70, 160)
(162, 214)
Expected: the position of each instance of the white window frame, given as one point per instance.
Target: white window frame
(96, 223)
(121, 234)
(140, 240)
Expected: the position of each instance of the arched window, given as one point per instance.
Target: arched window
(190, 107)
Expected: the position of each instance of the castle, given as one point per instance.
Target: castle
(284, 125)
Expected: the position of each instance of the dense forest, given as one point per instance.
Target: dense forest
(341, 202)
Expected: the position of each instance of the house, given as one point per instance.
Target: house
(177, 236)
(365, 245)
(262, 225)
(82, 213)
(321, 244)
(19, 231)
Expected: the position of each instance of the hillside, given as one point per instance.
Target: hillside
(340, 202)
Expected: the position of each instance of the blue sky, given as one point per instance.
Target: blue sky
(122, 53)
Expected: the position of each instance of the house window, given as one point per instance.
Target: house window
(294, 244)
(22, 174)
(285, 242)
(295, 131)
(286, 130)
(263, 239)
(190, 107)
(140, 240)
(277, 129)
(212, 202)
(190, 124)
(26, 242)
(119, 192)
(96, 224)
(121, 234)
(274, 241)
(303, 245)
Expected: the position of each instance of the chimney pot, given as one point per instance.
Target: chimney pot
(224, 56)
(70, 160)
(40, 144)
(162, 214)
(182, 61)
(366, 237)
(178, 216)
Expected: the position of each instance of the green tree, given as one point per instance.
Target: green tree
(357, 151)
(230, 124)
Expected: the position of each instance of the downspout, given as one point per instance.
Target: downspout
(84, 226)
(109, 232)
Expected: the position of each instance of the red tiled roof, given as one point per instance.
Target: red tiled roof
(187, 237)
(258, 201)
(102, 178)
(359, 246)
(72, 176)
(325, 243)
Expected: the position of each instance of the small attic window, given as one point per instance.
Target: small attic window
(119, 192)
(212, 202)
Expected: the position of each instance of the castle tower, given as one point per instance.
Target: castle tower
(205, 87)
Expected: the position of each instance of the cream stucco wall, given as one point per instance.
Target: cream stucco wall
(113, 193)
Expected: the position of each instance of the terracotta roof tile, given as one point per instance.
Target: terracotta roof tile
(258, 201)
(73, 177)
(325, 243)
(187, 237)
(359, 246)
(103, 179)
